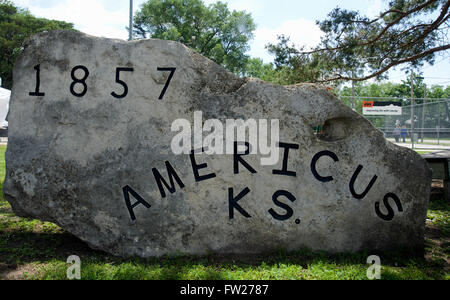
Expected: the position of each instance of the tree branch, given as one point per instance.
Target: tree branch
(385, 29)
(386, 68)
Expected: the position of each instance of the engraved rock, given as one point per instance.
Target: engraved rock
(90, 149)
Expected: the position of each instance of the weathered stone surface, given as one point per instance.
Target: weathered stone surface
(71, 155)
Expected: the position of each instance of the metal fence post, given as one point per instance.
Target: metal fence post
(439, 123)
(423, 111)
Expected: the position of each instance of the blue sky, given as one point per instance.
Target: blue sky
(295, 18)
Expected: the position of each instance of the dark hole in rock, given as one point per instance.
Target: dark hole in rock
(335, 129)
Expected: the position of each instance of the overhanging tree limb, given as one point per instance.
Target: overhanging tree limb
(389, 25)
(354, 44)
(391, 65)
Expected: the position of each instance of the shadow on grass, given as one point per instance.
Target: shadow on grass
(5, 210)
(18, 249)
(440, 204)
(21, 248)
(28, 247)
(20, 245)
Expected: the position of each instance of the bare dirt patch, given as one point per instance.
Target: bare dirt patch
(11, 272)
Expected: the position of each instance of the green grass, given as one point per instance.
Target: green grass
(423, 152)
(31, 249)
(439, 216)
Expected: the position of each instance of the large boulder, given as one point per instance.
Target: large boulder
(91, 149)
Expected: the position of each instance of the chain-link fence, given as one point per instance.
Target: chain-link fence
(431, 124)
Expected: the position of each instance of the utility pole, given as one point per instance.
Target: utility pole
(353, 92)
(423, 110)
(412, 109)
(130, 36)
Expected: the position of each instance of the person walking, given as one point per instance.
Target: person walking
(404, 133)
(397, 132)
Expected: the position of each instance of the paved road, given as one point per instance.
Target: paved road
(428, 145)
(429, 142)
(424, 147)
(443, 142)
